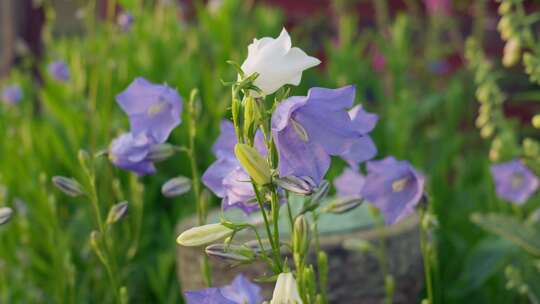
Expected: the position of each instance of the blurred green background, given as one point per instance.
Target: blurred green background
(407, 64)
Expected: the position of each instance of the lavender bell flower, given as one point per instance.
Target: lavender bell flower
(225, 177)
(130, 152)
(125, 21)
(240, 291)
(394, 187)
(514, 181)
(12, 94)
(59, 70)
(152, 109)
(308, 129)
(349, 183)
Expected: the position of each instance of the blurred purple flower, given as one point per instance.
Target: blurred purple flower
(12, 94)
(514, 181)
(152, 109)
(240, 291)
(394, 187)
(349, 183)
(308, 129)
(438, 7)
(130, 152)
(59, 70)
(225, 177)
(125, 21)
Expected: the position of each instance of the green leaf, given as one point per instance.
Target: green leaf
(511, 229)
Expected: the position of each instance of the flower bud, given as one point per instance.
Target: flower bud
(117, 212)
(389, 284)
(67, 185)
(536, 121)
(487, 131)
(254, 164)
(301, 235)
(160, 152)
(505, 7)
(512, 52)
(252, 117)
(203, 235)
(230, 252)
(322, 264)
(5, 215)
(176, 186)
(298, 185)
(321, 192)
(83, 157)
(531, 147)
(343, 204)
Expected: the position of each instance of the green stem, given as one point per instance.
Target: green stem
(322, 286)
(195, 177)
(424, 245)
(275, 247)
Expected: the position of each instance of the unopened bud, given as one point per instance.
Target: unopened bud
(531, 147)
(322, 264)
(230, 252)
(176, 186)
(298, 185)
(321, 192)
(67, 185)
(512, 52)
(301, 235)
(254, 164)
(83, 157)
(5, 215)
(161, 152)
(203, 235)
(487, 131)
(505, 27)
(536, 121)
(505, 7)
(117, 212)
(389, 284)
(343, 204)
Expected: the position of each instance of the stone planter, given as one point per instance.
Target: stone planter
(353, 277)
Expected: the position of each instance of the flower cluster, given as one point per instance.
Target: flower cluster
(154, 111)
(265, 153)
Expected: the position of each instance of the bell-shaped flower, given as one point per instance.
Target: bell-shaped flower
(226, 177)
(152, 109)
(131, 152)
(240, 291)
(349, 183)
(308, 129)
(514, 181)
(12, 94)
(394, 187)
(286, 290)
(277, 62)
(59, 70)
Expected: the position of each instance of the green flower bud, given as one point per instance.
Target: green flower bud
(389, 284)
(254, 164)
(117, 212)
(67, 185)
(343, 205)
(301, 235)
(231, 252)
(203, 235)
(487, 131)
(512, 52)
(531, 147)
(536, 121)
(252, 117)
(505, 7)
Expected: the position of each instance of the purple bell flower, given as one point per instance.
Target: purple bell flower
(152, 109)
(59, 70)
(349, 183)
(125, 21)
(130, 152)
(394, 187)
(308, 129)
(240, 291)
(12, 94)
(514, 181)
(226, 177)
